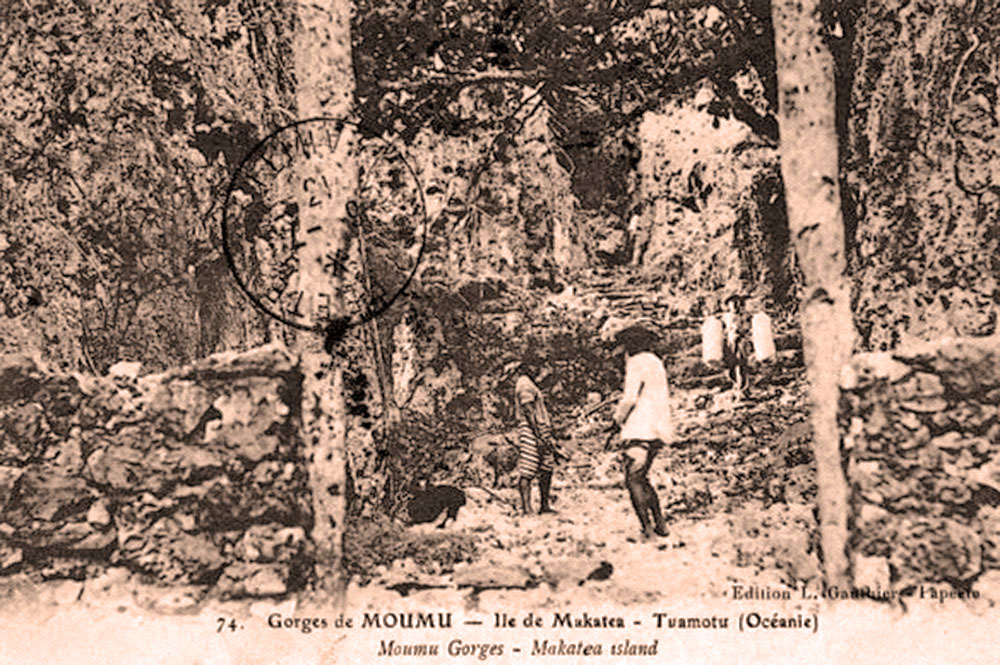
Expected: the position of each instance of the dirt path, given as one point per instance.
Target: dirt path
(720, 533)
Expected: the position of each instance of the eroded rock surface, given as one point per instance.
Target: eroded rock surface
(187, 477)
(923, 450)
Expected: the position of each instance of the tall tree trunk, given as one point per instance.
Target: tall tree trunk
(809, 169)
(325, 86)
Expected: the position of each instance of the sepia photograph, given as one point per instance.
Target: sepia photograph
(558, 331)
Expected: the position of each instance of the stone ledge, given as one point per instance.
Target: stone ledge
(921, 440)
(188, 476)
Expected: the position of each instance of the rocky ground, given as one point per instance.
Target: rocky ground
(737, 486)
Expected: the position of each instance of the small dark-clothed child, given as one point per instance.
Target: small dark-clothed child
(737, 345)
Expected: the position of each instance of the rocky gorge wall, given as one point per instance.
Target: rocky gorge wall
(116, 113)
(712, 218)
(921, 441)
(193, 476)
(923, 171)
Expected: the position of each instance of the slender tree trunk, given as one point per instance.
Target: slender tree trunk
(807, 122)
(325, 86)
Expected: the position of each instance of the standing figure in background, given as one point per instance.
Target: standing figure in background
(534, 442)
(643, 418)
(736, 353)
(639, 235)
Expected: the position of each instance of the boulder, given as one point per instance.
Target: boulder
(10, 556)
(165, 551)
(47, 494)
(405, 574)
(270, 543)
(9, 475)
(872, 572)
(988, 586)
(99, 514)
(243, 579)
(192, 462)
(110, 583)
(178, 600)
(935, 550)
(20, 377)
(871, 366)
(119, 467)
(147, 473)
(921, 384)
(925, 405)
(73, 536)
(125, 370)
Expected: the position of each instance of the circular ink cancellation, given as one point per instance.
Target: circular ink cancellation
(268, 232)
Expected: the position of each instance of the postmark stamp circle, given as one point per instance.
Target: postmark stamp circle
(383, 236)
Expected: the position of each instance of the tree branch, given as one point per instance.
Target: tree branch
(450, 79)
(763, 125)
(675, 5)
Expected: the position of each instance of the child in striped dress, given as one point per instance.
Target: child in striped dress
(537, 454)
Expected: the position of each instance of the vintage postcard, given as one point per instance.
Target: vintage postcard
(571, 331)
